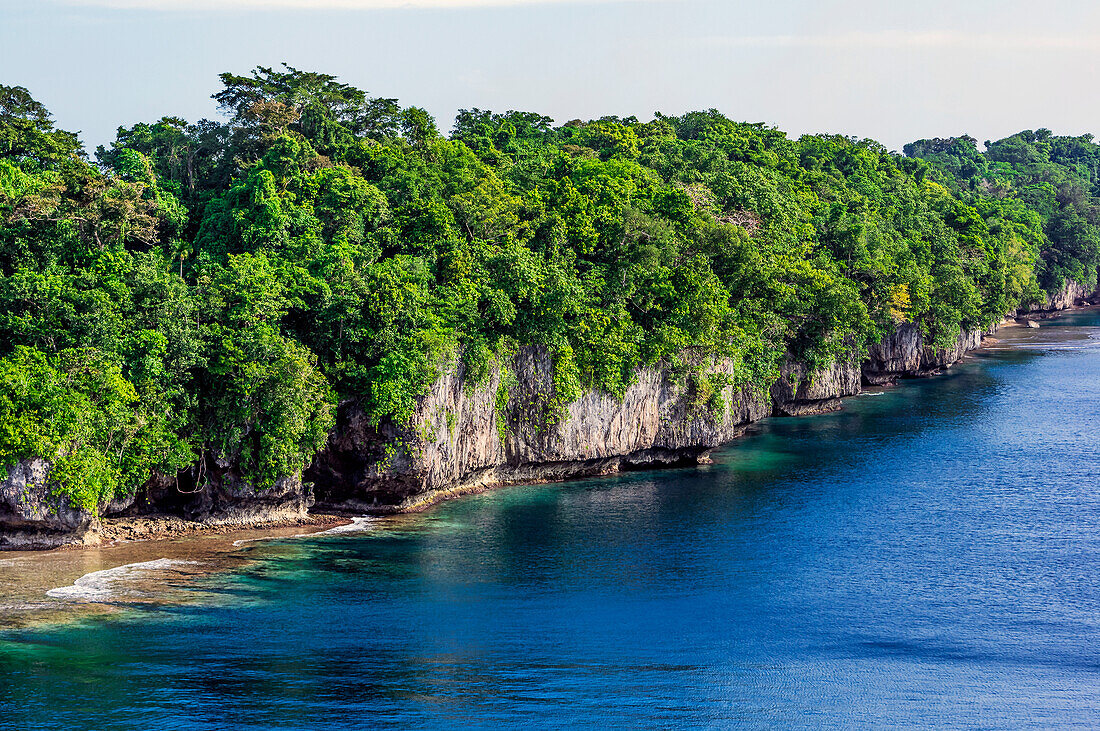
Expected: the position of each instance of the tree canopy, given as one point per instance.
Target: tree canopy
(218, 288)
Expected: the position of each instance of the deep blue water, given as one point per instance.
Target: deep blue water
(929, 557)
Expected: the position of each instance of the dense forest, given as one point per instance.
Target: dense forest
(219, 288)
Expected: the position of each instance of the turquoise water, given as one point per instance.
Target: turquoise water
(927, 557)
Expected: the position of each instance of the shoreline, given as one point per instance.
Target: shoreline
(166, 527)
(154, 561)
(485, 483)
(63, 585)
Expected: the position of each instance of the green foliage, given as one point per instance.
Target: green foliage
(567, 379)
(1038, 195)
(266, 404)
(79, 412)
(705, 391)
(216, 289)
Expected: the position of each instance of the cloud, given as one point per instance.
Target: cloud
(891, 39)
(174, 5)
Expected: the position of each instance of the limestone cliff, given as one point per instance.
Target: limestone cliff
(460, 439)
(903, 353)
(799, 392)
(217, 495)
(1070, 294)
(459, 442)
(32, 516)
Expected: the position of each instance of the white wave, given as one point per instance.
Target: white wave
(357, 525)
(100, 585)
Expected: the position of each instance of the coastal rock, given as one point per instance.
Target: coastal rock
(800, 392)
(32, 516)
(458, 441)
(466, 436)
(903, 353)
(1070, 295)
(217, 496)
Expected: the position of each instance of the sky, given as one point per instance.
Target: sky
(894, 71)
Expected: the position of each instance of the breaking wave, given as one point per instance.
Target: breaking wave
(101, 585)
(357, 525)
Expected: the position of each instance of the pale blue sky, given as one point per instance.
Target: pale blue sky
(894, 71)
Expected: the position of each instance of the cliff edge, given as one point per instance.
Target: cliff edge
(508, 429)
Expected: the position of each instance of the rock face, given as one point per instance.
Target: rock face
(220, 497)
(1069, 295)
(31, 516)
(460, 440)
(456, 442)
(800, 392)
(904, 353)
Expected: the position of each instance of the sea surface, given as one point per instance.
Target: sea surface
(927, 557)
